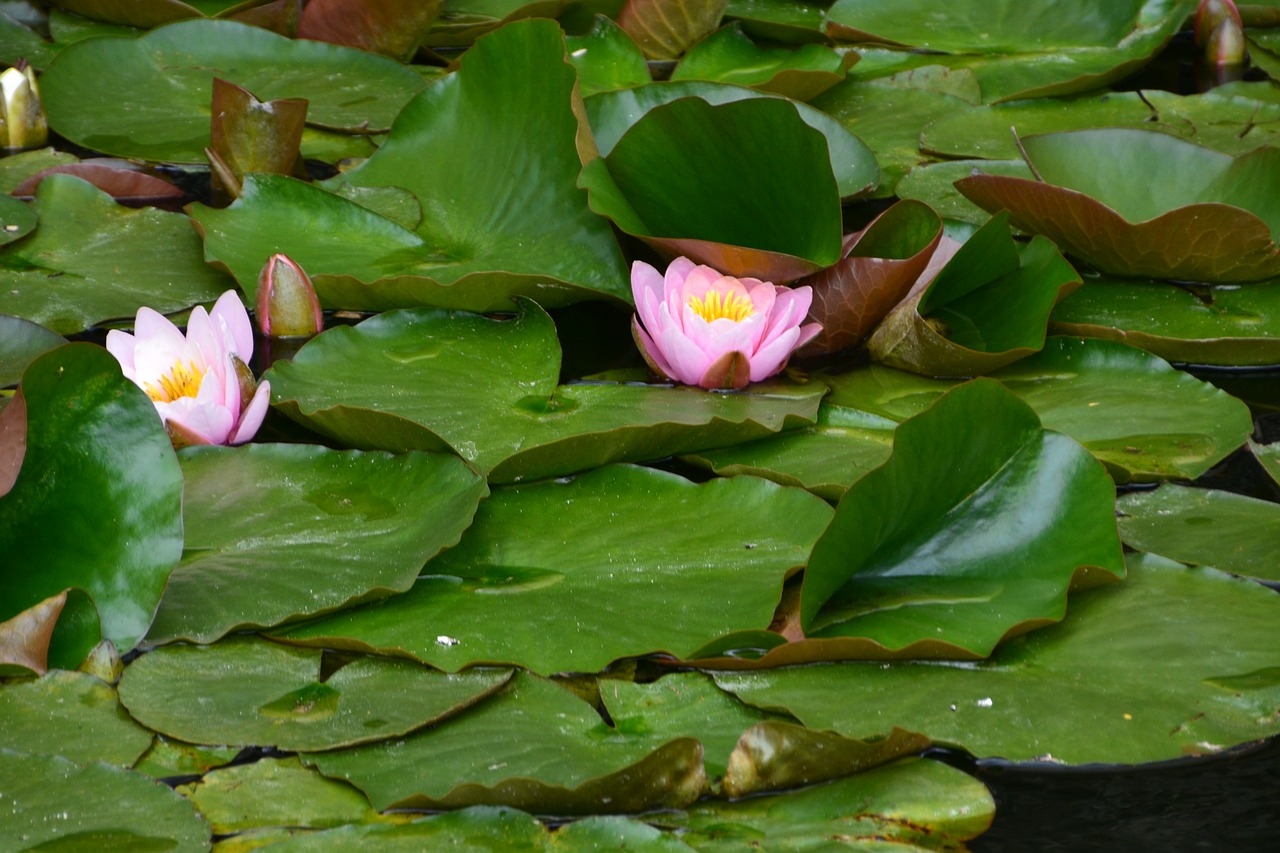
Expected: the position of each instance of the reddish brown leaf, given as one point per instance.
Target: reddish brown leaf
(279, 16)
(390, 27)
(24, 639)
(1208, 242)
(13, 441)
(664, 29)
(126, 184)
(740, 261)
(248, 135)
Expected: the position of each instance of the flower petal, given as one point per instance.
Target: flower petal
(231, 319)
(253, 415)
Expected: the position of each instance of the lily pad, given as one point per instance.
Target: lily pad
(1026, 49)
(988, 307)
(246, 691)
(167, 758)
(1268, 455)
(1227, 325)
(100, 479)
(934, 184)
(164, 81)
(916, 566)
(1172, 662)
(783, 21)
(664, 29)
(1211, 221)
(407, 380)
(21, 342)
(94, 260)
(730, 56)
(462, 22)
(50, 634)
(277, 792)
(612, 114)
(73, 715)
(502, 214)
(606, 553)
(56, 804)
(606, 59)
(17, 219)
(533, 746)
(701, 181)
(1204, 527)
(280, 531)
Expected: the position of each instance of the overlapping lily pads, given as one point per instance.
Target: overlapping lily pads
(1172, 662)
(1211, 219)
(569, 576)
(247, 691)
(501, 214)
(97, 500)
(21, 341)
(344, 527)
(406, 380)
(1020, 49)
(729, 56)
(92, 260)
(73, 715)
(163, 81)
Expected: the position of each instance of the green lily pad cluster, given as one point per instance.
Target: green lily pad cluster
(481, 577)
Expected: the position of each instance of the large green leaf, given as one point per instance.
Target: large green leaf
(279, 531)
(249, 692)
(1023, 49)
(538, 747)
(70, 714)
(501, 212)
(1140, 417)
(1226, 325)
(1209, 217)
(52, 804)
(411, 380)
(163, 82)
(694, 179)
(613, 555)
(920, 562)
(1205, 527)
(612, 114)
(93, 260)
(97, 501)
(606, 59)
(1171, 662)
(988, 307)
(21, 342)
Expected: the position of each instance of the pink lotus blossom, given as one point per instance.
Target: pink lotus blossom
(699, 327)
(199, 382)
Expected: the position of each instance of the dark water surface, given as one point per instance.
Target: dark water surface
(1228, 802)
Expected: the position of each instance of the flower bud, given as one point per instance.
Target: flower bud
(22, 120)
(287, 303)
(1211, 14)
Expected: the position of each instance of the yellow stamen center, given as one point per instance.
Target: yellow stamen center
(732, 305)
(183, 380)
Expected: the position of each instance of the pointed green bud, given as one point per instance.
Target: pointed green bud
(22, 120)
(287, 303)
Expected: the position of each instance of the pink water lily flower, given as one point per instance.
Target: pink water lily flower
(199, 382)
(699, 327)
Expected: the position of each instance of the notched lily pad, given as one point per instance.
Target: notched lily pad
(1209, 217)
(249, 692)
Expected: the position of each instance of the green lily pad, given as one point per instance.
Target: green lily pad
(889, 112)
(168, 758)
(1140, 417)
(17, 168)
(690, 178)
(164, 81)
(60, 631)
(1024, 49)
(246, 691)
(462, 22)
(911, 805)
(730, 56)
(533, 746)
(277, 792)
(612, 114)
(783, 21)
(280, 531)
(502, 214)
(148, 13)
(988, 307)
(407, 380)
(1212, 220)
(21, 342)
(934, 184)
(1228, 325)
(70, 714)
(914, 565)
(606, 59)
(101, 481)
(1204, 527)
(17, 219)
(636, 578)
(54, 804)
(1172, 662)
(1268, 455)
(94, 260)
(20, 41)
